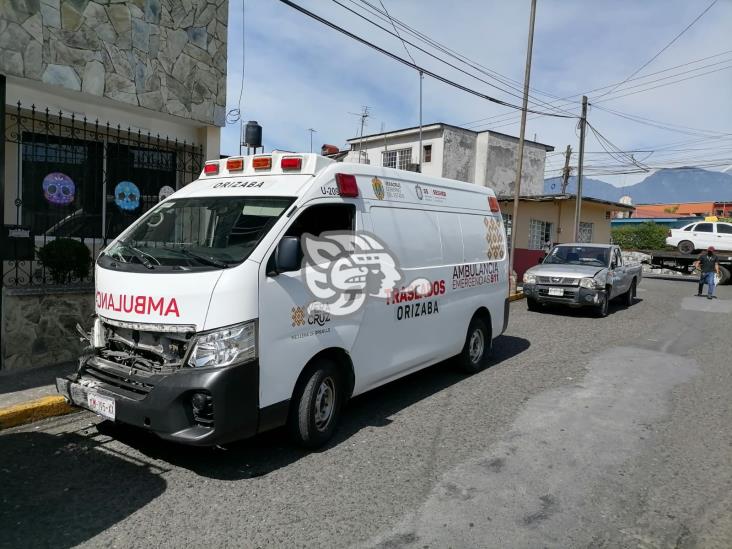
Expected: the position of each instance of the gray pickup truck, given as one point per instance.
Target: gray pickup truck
(582, 275)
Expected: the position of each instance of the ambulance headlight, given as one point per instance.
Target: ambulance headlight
(226, 346)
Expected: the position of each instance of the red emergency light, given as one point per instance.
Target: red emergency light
(262, 163)
(291, 163)
(211, 168)
(493, 202)
(346, 185)
(235, 164)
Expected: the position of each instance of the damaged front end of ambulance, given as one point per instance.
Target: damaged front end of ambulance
(155, 358)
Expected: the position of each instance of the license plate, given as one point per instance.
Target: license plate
(556, 291)
(101, 405)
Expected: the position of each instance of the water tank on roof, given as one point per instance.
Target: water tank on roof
(253, 134)
(627, 200)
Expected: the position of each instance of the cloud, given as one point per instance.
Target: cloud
(300, 74)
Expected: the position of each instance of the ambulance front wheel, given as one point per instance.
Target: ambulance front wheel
(476, 351)
(317, 403)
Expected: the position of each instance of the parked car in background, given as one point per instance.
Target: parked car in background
(582, 275)
(701, 235)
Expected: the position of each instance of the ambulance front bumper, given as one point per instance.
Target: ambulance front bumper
(200, 407)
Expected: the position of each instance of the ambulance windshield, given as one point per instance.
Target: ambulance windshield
(206, 232)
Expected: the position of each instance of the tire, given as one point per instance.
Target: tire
(686, 247)
(477, 349)
(724, 275)
(629, 296)
(317, 404)
(603, 308)
(532, 304)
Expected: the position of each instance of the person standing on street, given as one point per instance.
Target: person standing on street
(708, 264)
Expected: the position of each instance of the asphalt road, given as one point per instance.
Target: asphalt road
(586, 432)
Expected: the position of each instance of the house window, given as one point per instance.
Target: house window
(507, 223)
(585, 232)
(400, 158)
(427, 155)
(540, 232)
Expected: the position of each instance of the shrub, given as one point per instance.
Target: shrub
(65, 258)
(645, 236)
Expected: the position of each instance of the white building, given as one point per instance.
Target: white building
(487, 158)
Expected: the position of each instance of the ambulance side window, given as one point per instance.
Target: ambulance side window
(324, 217)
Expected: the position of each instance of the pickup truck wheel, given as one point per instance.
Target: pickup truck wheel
(686, 247)
(724, 275)
(532, 304)
(629, 297)
(603, 307)
(316, 405)
(477, 349)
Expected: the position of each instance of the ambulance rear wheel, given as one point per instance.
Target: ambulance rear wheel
(477, 349)
(316, 406)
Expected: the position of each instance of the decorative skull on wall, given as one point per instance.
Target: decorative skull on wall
(165, 192)
(58, 189)
(127, 196)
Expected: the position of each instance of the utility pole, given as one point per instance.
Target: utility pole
(421, 77)
(578, 203)
(567, 170)
(312, 131)
(364, 115)
(517, 186)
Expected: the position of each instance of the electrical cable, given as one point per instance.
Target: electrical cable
(404, 42)
(675, 38)
(414, 66)
(479, 121)
(516, 86)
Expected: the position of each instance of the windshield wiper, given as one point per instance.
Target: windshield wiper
(202, 258)
(140, 255)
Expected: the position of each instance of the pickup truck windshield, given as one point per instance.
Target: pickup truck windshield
(207, 232)
(579, 255)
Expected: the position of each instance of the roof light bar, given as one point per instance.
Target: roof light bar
(235, 164)
(347, 185)
(211, 168)
(291, 163)
(262, 163)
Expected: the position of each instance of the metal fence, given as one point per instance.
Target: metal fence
(73, 178)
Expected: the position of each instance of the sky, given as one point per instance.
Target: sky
(300, 74)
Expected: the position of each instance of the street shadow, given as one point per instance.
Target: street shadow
(62, 490)
(556, 309)
(273, 450)
(13, 381)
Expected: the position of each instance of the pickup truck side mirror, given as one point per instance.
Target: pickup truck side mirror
(287, 256)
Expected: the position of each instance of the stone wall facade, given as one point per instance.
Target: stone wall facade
(165, 55)
(39, 326)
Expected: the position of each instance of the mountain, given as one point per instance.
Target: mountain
(663, 186)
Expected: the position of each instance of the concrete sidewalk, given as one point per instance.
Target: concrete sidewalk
(31, 395)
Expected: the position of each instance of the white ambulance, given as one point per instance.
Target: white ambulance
(275, 287)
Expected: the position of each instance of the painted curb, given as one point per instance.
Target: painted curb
(34, 410)
(516, 297)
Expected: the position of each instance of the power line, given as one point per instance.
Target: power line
(413, 64)
(675, 38)
(569, 97)
(410, 64)
(511, 83)
(662, 125)
(396, 31)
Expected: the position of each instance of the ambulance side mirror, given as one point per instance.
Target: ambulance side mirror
(287, 256)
